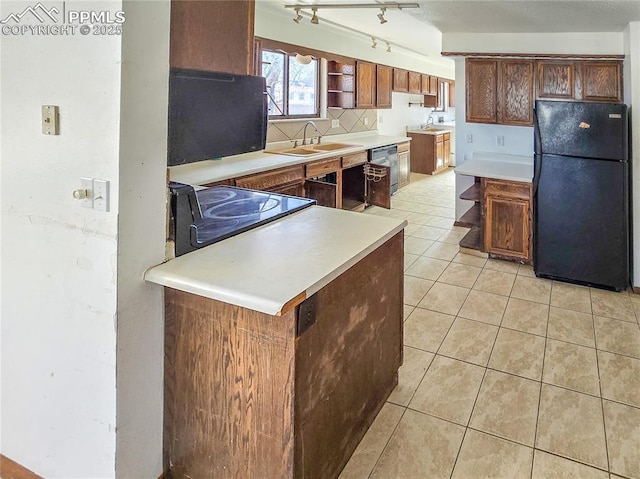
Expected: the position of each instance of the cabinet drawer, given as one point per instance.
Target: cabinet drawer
(271, 179)
(355, 159)
(402, 147)
(322, 167)
(507, 189)
(447, 136)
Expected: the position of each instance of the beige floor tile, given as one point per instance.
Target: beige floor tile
(368, 451)
(406, 311)
(612, 305)
(444, 298)
(518, 353)
(571, 366)
(410, 229)
(427, 268)
(571, 296)
(460, 275)
(502, 265)
(570, 424)
(486, 457)
(485, 307)
(469, 259)
(414, 365)
(425, 329)
(469, 341)
(617, 336)
(571, 326)
(622, 424)
(445, 251)
(429, 232)
(526, 316)
(496, 282)
(415, 289)
(526, 270)
(453, 236)
(421, 447)
(409, 259)
(532, 289)
(507, 407)
(419, 219)
(548, 466)
(415, 245)
(619, 378)
(448, 390)
(441, 222)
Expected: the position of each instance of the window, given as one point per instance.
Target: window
(293, 87)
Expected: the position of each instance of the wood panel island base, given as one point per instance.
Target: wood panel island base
(255, 395)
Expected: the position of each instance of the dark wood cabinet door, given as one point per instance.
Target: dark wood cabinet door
(403, 168)
(424, 84)
(452, 93)
(365, 85)
(439, 153)
(212, 36)
(324, 193)
(446, 146)
(384, 77)
(482, 87)
(415, 82)
(555, 79)
(515, 102)
(379, 187)
(434, 85)
(400, 80)
(601, 81)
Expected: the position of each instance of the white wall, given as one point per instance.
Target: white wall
(631, 76)
(76, 311)
(141, 238)
(59, 261)
(395, 120)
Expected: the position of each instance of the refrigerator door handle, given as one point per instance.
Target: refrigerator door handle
(537, 170)
(537, 157)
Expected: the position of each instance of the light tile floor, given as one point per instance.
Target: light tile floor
(505, 375)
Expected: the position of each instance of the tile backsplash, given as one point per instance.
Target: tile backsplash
(351, 121)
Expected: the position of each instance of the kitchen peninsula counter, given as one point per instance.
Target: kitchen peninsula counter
(210, 171)
(282, 344)
(498, 166)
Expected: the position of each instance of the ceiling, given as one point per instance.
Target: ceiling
(421, 29)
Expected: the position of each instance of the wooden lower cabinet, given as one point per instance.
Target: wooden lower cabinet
(430, 152)
(404, 164)
(507, 219)
(257, 396)
(274, 180)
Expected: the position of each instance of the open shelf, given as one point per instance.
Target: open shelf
(473, 193)
(473, 217)
(353, 205)
(473, 239)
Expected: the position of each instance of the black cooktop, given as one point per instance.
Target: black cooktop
(216, 213)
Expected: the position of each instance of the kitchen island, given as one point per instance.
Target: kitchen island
(281, 345)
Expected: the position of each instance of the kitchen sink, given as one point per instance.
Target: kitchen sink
(311, 149)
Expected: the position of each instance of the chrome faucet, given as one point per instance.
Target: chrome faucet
(304, 132)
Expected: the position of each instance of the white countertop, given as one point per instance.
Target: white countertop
(434, 132)
(209, 171)
(276, 266)
(499, 167)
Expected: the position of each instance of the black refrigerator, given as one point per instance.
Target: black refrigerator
(581, 193)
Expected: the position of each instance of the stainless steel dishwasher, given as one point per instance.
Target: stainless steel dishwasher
(387, 156)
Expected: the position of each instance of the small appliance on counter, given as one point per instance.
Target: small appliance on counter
(205, 216)
(581, 193)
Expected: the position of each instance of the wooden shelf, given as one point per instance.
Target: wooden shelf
(473, 217)
(353, 205)
(473, 239)
(474, 193)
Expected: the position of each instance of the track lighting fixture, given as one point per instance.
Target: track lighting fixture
(314, 19)
(381, 15)
(373, 42)
(388, 47)
(298, 16)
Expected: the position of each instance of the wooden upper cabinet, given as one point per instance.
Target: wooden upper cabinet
(601, 81)
(452, 93)
(212, 36)
(415, 82)
(515, 87)
(365, 85)
(434, 85)
(384, 77)
(424, 84)
(400, 80)
(482, 90)
(555, 80)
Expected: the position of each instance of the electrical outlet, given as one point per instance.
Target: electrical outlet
(380, 119)
(366, 121)
(469, 138)
(335, 123)
(499, 140)
(101, 195)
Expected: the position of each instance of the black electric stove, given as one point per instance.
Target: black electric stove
(205, 216)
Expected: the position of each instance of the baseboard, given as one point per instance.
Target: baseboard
(12, 470)
(636, 289)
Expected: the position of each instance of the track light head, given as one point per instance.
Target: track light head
(373, 42)
(388, 47)
(314, 19)
(381, 16)
(298, 16)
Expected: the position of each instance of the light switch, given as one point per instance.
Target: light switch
(101, 195)
(50, 120)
